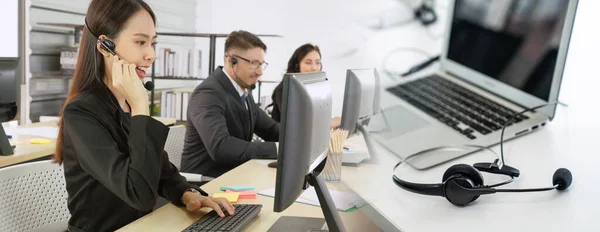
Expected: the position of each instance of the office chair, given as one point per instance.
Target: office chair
(33, 196)
(174, 148)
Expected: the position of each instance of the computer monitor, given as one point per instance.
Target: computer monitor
(361, 102)
(8, 99)
(304, 141)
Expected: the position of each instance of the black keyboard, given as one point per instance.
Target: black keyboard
(455, 106)
(243, 215)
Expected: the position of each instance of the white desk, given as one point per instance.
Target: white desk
(537, 156)
(570, 140)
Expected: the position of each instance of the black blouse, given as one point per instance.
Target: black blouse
(115, 165)
(277, 98)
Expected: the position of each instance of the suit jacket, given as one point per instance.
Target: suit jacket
(220, 128)
(115, 165)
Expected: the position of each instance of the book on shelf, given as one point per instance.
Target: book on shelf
(178, 62)
(174, 104)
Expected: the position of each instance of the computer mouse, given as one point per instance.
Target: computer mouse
(273, 164)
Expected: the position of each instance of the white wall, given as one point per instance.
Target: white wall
(581, 83)
(337, 26)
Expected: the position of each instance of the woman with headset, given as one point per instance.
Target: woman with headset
(111, 150)
(306, 58)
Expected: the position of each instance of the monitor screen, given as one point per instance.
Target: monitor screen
(361, 98)
(515, 42)
(304, 133)
(8, 89)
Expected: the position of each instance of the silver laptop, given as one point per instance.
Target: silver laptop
(499, 58)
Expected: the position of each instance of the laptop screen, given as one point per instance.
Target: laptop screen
(515, 42)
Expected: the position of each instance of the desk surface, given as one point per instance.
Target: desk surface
(261, 177)
(537, 156)
(27, 152)
(571, 140)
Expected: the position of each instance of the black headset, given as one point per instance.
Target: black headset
(425, 13)
(234, 61)
(462, 184)
(109, 46)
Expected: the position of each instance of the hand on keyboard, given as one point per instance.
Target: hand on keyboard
(194, 202)
(246, 213)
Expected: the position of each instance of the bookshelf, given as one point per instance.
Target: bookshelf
(211, 61)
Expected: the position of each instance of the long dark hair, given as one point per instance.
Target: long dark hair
(104, 17)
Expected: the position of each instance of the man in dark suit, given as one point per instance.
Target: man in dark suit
(223, 116)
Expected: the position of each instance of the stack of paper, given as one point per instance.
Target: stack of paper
(344, 201)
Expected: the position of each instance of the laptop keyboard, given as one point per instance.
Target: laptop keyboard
(455, 106)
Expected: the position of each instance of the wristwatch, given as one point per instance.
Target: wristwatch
(193, 190)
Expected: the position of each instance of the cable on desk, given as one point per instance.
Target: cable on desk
(391, 74)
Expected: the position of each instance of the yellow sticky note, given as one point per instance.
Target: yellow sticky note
(40, 141)
(231, 197)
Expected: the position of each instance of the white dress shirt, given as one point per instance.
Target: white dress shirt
(238, 88)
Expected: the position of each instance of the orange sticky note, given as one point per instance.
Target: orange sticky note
(231, 197)
(244, 194)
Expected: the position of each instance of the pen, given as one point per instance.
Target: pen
(421, 66)
(9, 136)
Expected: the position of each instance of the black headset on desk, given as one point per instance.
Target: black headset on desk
(462, 183)
(425, 13)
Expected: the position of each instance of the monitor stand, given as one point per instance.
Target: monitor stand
(372, 158)
(332, 216)
(5, 148)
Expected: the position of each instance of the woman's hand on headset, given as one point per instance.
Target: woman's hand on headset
(126, 81)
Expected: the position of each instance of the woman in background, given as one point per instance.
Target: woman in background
(306, 58)
(111, 150)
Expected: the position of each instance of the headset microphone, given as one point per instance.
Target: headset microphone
(149, 85)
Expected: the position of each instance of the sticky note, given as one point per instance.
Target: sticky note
(40, 141)
(231, 197)
(248, 194)
(237, 188)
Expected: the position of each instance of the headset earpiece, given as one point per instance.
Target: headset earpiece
(465, 170)
(108, 46)
(426, 14)
(233, 60)
(461, 176)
